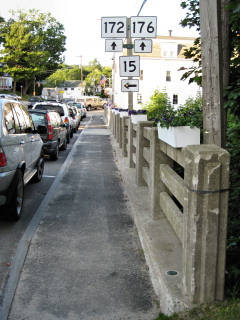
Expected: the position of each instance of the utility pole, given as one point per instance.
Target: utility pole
(213, 73)
(81, 69)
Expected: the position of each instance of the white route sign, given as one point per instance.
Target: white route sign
(114, 27)
(113, 45)
(142, 45)
(143, 27)
(129, 66)
(130, 85)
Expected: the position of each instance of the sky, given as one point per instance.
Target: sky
(82, 22)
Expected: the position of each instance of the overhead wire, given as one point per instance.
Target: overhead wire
(144, 1)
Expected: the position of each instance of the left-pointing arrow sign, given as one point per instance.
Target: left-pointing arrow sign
(130, 85)
(113, 45)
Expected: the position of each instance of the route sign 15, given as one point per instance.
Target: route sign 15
(129, 66)
(114, 27)
(143, 27)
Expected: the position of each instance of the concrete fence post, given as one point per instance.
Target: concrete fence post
(114, 125)
(111, 120)
(206, 177)
(125, 128)
(118, 127)
(141, 143)
(156, 186)
(131, 149)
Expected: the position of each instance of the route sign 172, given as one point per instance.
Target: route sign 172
(143, 27)
(129, 66)
(114, 27)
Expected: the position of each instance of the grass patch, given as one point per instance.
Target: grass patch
(228, 310)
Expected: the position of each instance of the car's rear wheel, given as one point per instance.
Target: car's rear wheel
(14, 210)
(64, 145)
(40, 168)
(68, 137)
(55, 155)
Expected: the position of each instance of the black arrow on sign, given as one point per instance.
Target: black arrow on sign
(127, 85)
(113, 45)
(142, 45)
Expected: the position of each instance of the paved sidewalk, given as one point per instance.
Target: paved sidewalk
(85, 260)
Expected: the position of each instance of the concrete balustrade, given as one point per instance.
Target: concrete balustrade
(194, 205)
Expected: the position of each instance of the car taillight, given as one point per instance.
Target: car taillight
(66, 120)
(50, 128)
(3, 160)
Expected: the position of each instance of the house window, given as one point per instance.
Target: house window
(139, 98)
(175, 99)
(168, 76)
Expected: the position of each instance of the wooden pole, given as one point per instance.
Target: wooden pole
(212, 72)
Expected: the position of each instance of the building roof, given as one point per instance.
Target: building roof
(72, 83)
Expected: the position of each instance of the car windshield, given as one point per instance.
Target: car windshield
(78, 105)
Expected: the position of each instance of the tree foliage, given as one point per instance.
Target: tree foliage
(33, 44)
(61, 75)
(192, 19)
(91, 75)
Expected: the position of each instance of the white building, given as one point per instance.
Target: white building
(158, 70)
(5, 82)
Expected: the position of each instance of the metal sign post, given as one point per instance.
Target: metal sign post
(129, 53)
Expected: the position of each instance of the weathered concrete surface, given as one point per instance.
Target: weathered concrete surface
(162, 248)
(85, 260)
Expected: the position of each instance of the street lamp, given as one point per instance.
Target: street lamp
(21, 90)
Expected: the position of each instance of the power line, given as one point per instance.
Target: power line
(144, 1)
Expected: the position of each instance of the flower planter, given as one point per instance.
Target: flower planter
(179, 137)
(138, 117)
(123, 114)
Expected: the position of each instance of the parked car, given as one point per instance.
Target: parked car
(63, 111)
(76, 116)
(92, 102)
(33, 100)
(82, 109)
(15, 96)
(20, 156)
(52, 130)
(8, 96)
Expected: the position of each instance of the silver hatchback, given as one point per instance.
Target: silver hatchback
(20, 156)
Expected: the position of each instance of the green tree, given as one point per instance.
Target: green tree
(33, 44)
(61, 75)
